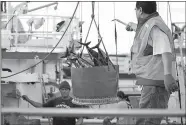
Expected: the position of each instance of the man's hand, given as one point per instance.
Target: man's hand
(120, 21)
(25, 97)
(170, 83)
(131, 26)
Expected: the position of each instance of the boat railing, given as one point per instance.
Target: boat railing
(19, 32)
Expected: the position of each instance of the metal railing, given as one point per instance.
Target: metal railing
(94, 112)
(44, 31)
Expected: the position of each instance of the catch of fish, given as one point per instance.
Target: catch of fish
(97, 57)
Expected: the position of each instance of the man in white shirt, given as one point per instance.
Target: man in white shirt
(153, 60)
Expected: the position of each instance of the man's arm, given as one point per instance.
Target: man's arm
(162, 46)
(129, 27)
(169, 81)
(35, 104)
(167, 63)
(49, 103)
(80, 119)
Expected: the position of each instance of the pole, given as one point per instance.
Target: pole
(37, 8)
(0, 65)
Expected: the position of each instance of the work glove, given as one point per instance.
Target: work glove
(170, 83)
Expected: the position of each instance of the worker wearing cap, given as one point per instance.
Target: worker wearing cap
(152, 59)
(64, 101)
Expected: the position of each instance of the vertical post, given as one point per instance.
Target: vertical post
(16, 31)
(47, 28)
(158, 7)
(39, 69)
(53, 20)
(181, 75)
(0, 65)
(9, 11)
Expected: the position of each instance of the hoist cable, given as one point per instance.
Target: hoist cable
(92, 18)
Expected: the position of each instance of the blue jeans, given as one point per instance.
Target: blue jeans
(153, 97)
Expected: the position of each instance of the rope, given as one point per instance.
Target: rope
(81, 11)
(98, 12)
(10, 19)
(93, 19)
(179, 94)
(100, 37)
(98, 22)
(92, 16)
(116, 42)
(81, 26)
(14, 13)
(52, 49)
(104, 45)
(167, 13)
(114, 11)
